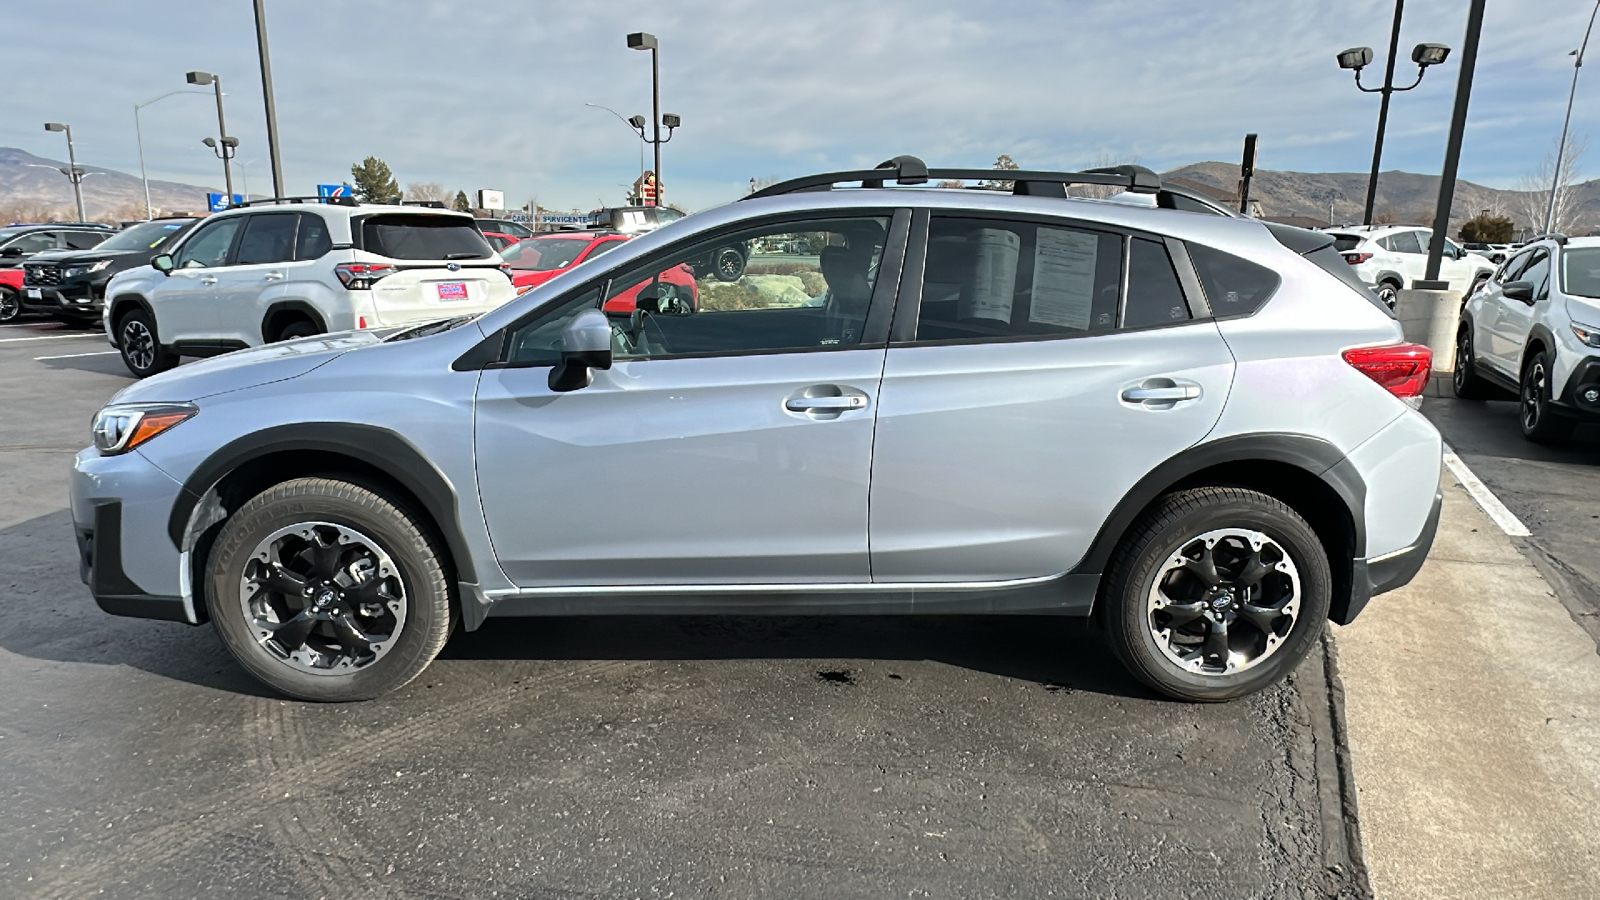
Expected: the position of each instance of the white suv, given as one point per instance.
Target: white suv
(287, 268)
(1388, 258)
(1535, 330)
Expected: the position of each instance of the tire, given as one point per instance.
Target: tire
(342, 652)
(1537, 415)
(297, 329)
(727, 264)
(1291, 578)
(1388, 292)
(1466, 382)
(140, 344)
(10, 305)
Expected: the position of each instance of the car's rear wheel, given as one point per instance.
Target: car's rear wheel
(141, 345)
(1389, 293)
(326, 590)
(298, 329)
(1466, 381)
(727, 264)
(10, 305)
(1216, 593)
(1540, 422)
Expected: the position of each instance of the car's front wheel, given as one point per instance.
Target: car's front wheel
(10, 305)
(1540, 423)
(327, 590)
(1216, 593)
(141, 345)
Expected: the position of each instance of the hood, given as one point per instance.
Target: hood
(245, 368)
(527, 278)
(58, 257)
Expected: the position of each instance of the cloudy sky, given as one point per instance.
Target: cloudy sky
(491, 94)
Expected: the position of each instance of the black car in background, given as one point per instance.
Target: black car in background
(70, 285)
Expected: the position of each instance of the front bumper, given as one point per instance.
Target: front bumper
(1581, 395)
(120, 505)
(1381, 574)
(79, 300)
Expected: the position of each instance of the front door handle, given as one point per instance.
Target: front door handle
(209, 279)
(1171, 394)
(273, 276)
(829, 404)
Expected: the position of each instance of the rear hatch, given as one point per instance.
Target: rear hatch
(423, 266)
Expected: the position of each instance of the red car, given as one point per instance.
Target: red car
(10, 294)
(542, 257)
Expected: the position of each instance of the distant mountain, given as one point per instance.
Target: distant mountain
(30, 193)
(1402, 196)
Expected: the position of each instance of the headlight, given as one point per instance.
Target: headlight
(1589, 336)
(118, 429)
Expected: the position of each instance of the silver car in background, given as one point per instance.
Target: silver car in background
(1200, 430)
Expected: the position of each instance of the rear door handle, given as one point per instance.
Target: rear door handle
(209, 279)
(1168, 394)
(809, 404)
(273, 276)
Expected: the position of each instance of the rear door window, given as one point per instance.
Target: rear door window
(1233, 286)
(423, 237)
(268, 238)
(83, 240)
(994, 278)
(312, 240)
(1404, 242)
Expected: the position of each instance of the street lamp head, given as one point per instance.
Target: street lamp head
(1426, 55)
(637, 122)
(230, 142)
(199, 77)
(641, 40)
(54, 126)
(1355, 58)
(209, 142)
(671, 120)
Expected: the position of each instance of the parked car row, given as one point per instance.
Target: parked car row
(19, 243)
(1197, 428)
(1389, 258)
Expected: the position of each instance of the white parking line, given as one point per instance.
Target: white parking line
(76, 355)
(1505, 518)
(51, 337)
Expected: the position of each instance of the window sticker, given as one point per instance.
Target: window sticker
(1063, 278)
(994, 275)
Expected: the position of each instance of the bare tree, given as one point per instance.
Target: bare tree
(427, 190)
(1103, 159)
(1535, 203)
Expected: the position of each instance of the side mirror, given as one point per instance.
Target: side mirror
(585, 345)
(11, 252)
(1518, 290)
(163, 263)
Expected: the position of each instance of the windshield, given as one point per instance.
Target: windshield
(1580, 272)
(544, 254)
(145, 236)
(1343, 242)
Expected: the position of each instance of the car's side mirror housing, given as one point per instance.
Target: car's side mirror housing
(11, 252)
(585, 345)
(1518, 290)
(162, 263)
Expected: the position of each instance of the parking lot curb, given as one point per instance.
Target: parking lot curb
(1345, 869)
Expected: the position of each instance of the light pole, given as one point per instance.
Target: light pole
(641, 40)
(631, 127)
(225, 153)
(138, 136)
(1452, 148)
(74, 173)
(1424, 55)
(266, 94)
(1577, 65)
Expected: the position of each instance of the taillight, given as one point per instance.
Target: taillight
(1356, 259)
(360, 276)
(1400, 369)
(506, 268)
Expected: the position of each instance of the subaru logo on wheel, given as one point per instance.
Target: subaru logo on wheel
(454, 267)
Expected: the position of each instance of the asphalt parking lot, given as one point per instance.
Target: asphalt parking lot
(620, 757)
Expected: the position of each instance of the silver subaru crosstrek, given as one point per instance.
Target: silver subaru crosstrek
(1196, 428)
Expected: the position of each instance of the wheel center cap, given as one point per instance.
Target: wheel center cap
(1222, 600)
(325, 598)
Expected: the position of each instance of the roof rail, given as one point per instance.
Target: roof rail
(1556, 236)
(269, 201)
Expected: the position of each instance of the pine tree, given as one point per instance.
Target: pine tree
(374, 182)
(462, 204)
(1003, 163)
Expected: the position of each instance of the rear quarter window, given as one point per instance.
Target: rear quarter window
(423, 237)
(1233, 286)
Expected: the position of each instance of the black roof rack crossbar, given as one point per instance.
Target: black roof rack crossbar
(1556, 236)
(908, 170)
(269, 201)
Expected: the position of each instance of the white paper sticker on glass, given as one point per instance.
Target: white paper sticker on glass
(1063, 278)
(994, 275)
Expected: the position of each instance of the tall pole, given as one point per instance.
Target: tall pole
(138, 137)
(1555, 180)
(1383, 113)
(73, 174)
(222, 126)
(272, 107)
(1452, 152)
(655, 113)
